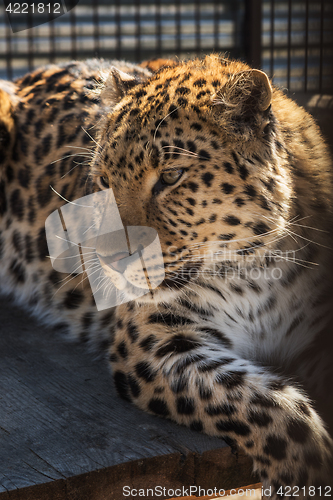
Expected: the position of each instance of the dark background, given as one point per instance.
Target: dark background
(292, 40)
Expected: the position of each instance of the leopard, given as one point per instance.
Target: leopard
(236, 180)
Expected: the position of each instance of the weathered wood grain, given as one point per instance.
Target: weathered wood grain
(64, 433)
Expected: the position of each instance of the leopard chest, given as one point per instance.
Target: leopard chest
(267, 318)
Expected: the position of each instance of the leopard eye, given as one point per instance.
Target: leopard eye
(105, 181)
(171, 177)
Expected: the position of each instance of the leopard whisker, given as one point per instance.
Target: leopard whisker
(295, 222)
(234, 240)
(107, 290)
(85, 131)
(312, 241)
(308, 227)
(69, 279)
(70, 257)
(72, 202)
(191, 153)
(299, 262)
(102, 280)
(78, 265)
(76, 165)
(97, 123)
(182, 149)
(84, 277)
(85, 155)
(231, 253)
(297, 219)
(158, 126)
(90, 150)
(90, 227)
(92, 262)
(183, 154)
(73, 242)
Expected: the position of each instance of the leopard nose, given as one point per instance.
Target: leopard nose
(117, 261)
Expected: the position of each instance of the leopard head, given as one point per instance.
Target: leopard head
(196, 154)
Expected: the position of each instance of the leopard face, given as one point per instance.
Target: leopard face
(196, 154)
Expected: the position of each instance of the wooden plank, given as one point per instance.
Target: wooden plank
(167, 473)
(60, 420)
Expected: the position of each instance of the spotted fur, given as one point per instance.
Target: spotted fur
(236, 340)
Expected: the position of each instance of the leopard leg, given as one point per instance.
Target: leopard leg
(178, 369)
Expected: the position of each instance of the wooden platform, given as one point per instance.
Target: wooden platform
(65, 434)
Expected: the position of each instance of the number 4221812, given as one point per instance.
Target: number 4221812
(40, 8)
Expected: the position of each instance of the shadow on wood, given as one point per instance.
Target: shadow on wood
(65, 434)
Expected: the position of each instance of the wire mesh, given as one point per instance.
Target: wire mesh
(297, 44)
(124, 29)
(296, 36)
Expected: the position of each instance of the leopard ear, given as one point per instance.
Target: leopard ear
(249, 91)
(114, 86)
(242, 106)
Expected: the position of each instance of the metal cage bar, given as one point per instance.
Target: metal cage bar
(30, 42)
(9, 68)
(158, 21)
(297, 49)
(289, 43)
(118, 29)
(72, 15)
(52, 40)
(96, 24)
(137, 31)
(321, 56)
(253, 32)
(306, 49)
(292, 41)
(197, 26)
(272, 18)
